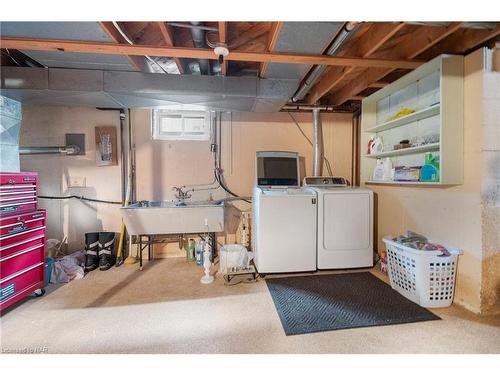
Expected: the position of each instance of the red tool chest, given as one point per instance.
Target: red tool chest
(22, 238)
(18, 193)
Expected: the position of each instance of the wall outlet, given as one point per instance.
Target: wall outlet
(77, 182)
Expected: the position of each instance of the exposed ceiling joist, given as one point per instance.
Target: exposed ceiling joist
(378, 85)
(222, 39)
(110, 29)
(463, 41)
(199, 53)
(366, 46)
(169, 42)
(411, 46)
(273, 38)
(255, 31)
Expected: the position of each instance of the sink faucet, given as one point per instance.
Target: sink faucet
(181, 194)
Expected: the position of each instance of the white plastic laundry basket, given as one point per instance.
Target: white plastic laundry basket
(424, 277)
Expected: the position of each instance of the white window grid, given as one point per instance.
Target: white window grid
(190, 126)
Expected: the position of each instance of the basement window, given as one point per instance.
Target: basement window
(171, 125)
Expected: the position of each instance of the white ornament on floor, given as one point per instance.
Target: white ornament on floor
(207, 278)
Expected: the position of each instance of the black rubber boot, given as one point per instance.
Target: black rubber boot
(91, 251)
(106, 245)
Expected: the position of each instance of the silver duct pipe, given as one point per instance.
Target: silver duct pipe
(68, 150)
(199, 42)
(129, 41)
(317, 143)
(193, 25)
(310, 108)
(318, 70)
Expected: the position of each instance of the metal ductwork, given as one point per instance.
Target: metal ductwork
(114, 89)
(318, 70)
(198, 35)
(317, 143)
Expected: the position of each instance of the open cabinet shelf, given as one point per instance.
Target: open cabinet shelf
(408, 183)
(434, 92)
(408, 119)
(406, 151)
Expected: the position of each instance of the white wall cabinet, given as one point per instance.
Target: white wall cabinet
(434, 92)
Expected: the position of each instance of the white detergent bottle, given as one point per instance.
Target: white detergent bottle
(387, 169)
(378, 171)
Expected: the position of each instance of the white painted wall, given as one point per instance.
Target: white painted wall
(47, 126)
(160, 164)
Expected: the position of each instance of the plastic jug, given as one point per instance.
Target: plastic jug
(430, 170)
(190, 251)
(199, 248)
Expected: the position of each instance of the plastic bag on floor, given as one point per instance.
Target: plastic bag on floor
(233, 257)
(68, 268)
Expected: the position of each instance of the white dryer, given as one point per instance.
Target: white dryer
(345, 224)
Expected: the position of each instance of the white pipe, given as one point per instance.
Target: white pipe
(68, 150)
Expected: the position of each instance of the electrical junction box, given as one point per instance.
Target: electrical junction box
(77, 182)
(76, 139)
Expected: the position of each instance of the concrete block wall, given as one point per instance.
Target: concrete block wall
(467, 215)
(490, 185)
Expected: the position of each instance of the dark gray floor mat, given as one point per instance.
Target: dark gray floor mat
(307, 304)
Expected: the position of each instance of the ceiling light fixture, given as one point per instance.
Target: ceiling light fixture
(221, 51)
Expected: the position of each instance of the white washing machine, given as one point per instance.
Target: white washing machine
(284, 216)
(284, 230)
(345, 224)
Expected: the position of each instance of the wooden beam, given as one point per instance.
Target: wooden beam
(222, 39)
(200, 53)
(377, 85)
(371, 41)
(254, 32)
(413, 45)
(273, 39)
(113, 33)
(169, 42)
(464, 41)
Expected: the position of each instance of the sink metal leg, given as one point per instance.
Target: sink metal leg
(150, 239)
(213, 244)
(140, 252)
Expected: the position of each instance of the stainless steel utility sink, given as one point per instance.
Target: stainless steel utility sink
(173, 217)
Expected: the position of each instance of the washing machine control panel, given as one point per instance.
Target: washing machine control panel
(325, 181)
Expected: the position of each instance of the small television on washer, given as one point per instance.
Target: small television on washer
(277, 169)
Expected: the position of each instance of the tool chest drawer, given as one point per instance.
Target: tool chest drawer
(22, 255)
(18, 193)
(20, 284)
(12, 240)
(20, 232)
(12, 225)
(21, 260)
